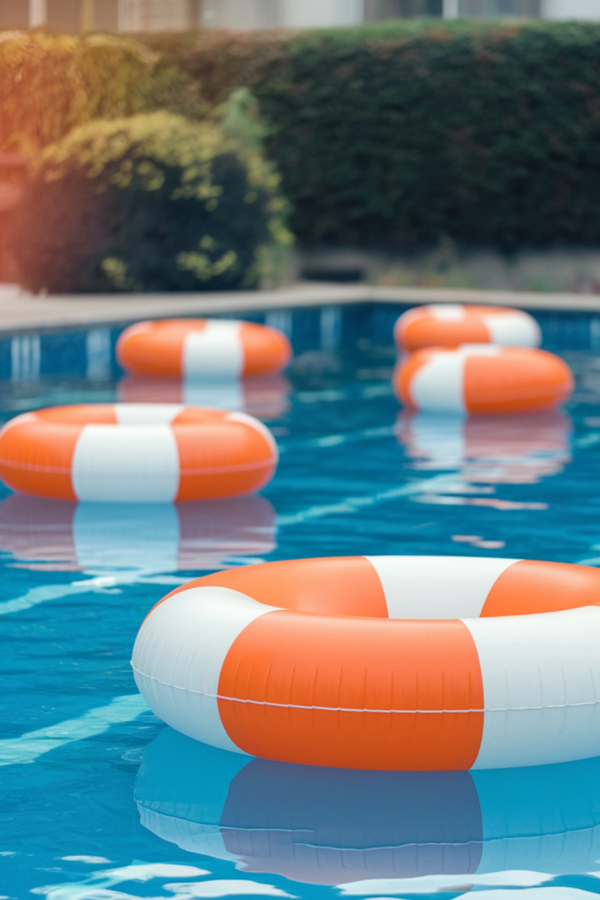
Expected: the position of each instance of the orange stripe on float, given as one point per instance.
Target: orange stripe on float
(330, 586)
(35, 458)
(429, 331)
(516, 381)
(158, 350)
(80, 414)
(529, 587)
(265, 349)
(354, 692)
(232, 457)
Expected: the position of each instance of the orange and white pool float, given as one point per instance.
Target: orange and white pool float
(201, 348)
(399, 663)
(450, 324)
(480, 378)
(129, 452)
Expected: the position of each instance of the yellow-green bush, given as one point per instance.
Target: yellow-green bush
(50, 84)
(153, 202)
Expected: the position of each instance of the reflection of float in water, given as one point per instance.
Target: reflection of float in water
(62, 536)
(334, 826)
(265, 397)
(518, 449)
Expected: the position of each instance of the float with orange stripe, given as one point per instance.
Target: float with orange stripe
(131, 453)
(398, 663)
(450, 325)
(200, 348)
(480, 378)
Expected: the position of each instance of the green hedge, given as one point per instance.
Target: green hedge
(399, 134)
(152, 203)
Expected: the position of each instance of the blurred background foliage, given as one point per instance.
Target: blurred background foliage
(392, 136)
(151, 202)
(50, 84)
(396, 135)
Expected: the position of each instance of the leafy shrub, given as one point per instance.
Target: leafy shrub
(49, 84)
(396, 135)
(148, 203)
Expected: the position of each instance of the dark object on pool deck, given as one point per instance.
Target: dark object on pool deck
(341, 275)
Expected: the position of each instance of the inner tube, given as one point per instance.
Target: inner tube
(64, 536)
(397, 663)
(184, 348)
(479, 378)
(450, 325)
(136, 453)
(334, 826)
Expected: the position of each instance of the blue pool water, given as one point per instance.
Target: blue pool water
(99, 801)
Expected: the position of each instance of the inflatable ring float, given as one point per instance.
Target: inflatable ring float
(202, 348)
(449, 325)
(136, 453)
(398, 663)
(480, 378)
(334, 826)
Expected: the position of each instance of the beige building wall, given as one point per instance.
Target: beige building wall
(172, 15)
(158, 15)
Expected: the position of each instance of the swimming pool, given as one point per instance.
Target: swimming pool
(101, 802)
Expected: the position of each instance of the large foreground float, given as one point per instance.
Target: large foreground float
(390, 663)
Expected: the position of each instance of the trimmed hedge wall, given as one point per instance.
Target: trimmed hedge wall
(396, 135)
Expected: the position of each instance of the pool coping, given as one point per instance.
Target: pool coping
(22, 312)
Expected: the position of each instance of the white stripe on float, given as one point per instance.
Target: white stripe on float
(186, 639)
(147, 413)
(33, 744)
(513, 329)
(451, 312)
(438, 385)
(213, 352)
(549, 666)
(437, 587)
(128, 464)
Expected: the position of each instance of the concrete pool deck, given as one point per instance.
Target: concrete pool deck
(22, 312)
